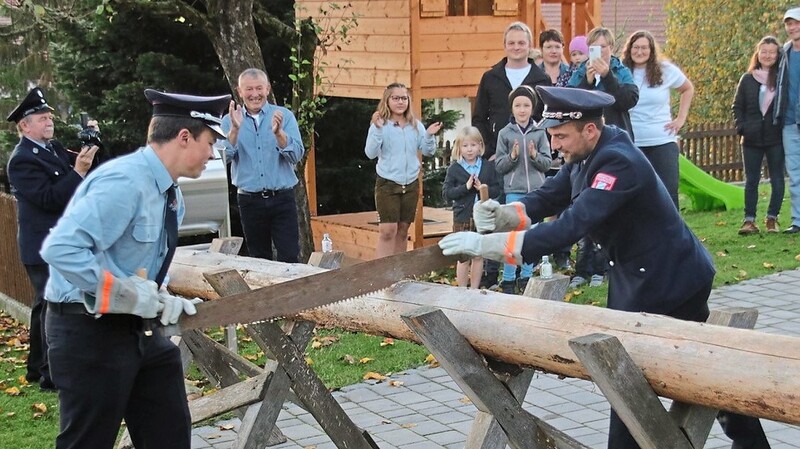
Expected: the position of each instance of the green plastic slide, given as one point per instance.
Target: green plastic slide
(706, 191)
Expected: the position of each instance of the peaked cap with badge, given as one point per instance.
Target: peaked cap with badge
(33, 103)
(207, 109)
(564, 104)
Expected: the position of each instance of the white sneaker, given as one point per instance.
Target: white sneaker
(577, 281)
(597, 280)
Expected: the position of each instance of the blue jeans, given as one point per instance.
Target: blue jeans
(791, 148)
(752, 157)
(510, 271)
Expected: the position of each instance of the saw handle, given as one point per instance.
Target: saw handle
(483, 190)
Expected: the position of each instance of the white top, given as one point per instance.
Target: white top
(652, 111)
(517, 76)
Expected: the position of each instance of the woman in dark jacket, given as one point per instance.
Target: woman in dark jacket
(753, 109)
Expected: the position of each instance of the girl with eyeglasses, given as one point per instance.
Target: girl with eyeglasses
(395, 137)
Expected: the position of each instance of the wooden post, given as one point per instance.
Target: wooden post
(467, 368)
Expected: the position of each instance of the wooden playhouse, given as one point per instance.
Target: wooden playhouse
(439, 49)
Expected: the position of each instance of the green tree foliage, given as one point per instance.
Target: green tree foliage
(713, 41)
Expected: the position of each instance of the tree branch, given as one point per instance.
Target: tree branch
(272, 23)
(174, 7)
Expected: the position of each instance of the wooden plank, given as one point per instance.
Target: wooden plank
(351, 91)
(364, 9)
(216, 362)
(226, 245)
(329, 260)
(448, 77)
(379, 42)
(310, 389)
(468, 370)
(628, 392)
(696, 420)
(372, 77)
(390, 26)
(482, 59)
(465, 26)
(246, 392)
(449, 92)
(386, 60)
(480, 41)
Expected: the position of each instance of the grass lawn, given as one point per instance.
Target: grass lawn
(29, 418)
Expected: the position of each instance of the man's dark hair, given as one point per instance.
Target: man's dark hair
(163, 128)
(598, 123)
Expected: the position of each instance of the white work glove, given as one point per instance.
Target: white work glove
(171, 307)
(503, 247)
(491, 216)
(132, 295)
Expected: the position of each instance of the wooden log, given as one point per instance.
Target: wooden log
(743, 371)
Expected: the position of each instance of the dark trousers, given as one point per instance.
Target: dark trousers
(753, 156)
(746, 432)
(106, 369)
(588, 259)
(268, 220)
(37, 356)
(664, 159)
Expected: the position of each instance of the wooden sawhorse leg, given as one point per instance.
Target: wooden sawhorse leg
(468, 369)
(631, 396)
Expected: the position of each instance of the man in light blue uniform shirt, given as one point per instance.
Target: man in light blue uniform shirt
(263, 147)
(105, 361)
(787, 99)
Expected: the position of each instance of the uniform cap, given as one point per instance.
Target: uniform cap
(207, 109)
(564, 104)
(33, 103)
(793, 13)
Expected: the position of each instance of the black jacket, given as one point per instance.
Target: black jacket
(42, 182)
(617, 83)
(757, 130)
(615, 197)
(492, 110)
(455, 188)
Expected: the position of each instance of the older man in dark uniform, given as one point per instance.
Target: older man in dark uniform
(42, 180)
(608, 190)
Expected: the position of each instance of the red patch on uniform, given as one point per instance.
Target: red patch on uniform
(604, 181)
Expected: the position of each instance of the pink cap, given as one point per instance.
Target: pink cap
(578, 43)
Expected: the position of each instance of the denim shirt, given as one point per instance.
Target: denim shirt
(114, 222)
(257, 163)
(396, 149)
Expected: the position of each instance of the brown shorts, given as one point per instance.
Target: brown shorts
(459, 226)
(396, 203)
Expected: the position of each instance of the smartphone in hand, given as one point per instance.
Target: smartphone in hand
(594, 53)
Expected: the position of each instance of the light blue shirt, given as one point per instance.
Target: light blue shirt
(472, 169)
(114, 222)
(794, 88)
(257, 163)
(396, 149)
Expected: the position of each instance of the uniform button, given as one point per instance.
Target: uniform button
(611, 262)
(598, 246)
(642, 270)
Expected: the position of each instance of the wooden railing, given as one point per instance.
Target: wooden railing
(714, 147)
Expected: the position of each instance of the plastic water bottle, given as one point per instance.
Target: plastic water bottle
(327, 243)
(545, 269)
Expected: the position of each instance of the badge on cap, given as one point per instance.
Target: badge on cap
(604, 181)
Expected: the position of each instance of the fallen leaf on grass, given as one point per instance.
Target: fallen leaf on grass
(431, 361)
(309, 361)
(22, 380)
(371, 375)
(251, 356)
(388, 341)
(721, 223)
(722, 253)
(10, 414)
(319, 342)
(40, 407)
(364, 360)
(12, 391)
(349, 359)
(797, 257)
(768, 265)
(751, 246)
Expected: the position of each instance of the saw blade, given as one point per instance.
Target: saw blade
(292, 297)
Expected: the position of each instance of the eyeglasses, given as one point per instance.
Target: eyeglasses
(398, 98)
(640, 48)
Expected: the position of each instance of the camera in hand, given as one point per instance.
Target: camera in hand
(88, 135)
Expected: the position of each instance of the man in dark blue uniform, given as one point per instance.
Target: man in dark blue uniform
(609, 191)
(42, 180)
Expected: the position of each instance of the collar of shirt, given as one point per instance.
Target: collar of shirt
(258, 116)
(472, 169)
(41, 144)
(163, 179)
(522, 129)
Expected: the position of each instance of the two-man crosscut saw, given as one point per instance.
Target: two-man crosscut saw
(292, 297)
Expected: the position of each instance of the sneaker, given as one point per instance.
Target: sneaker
(771, 224)
(597, 280)
(521, 284)
(793, 229)
(508, 287)
(748, 227)
(577, 281)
